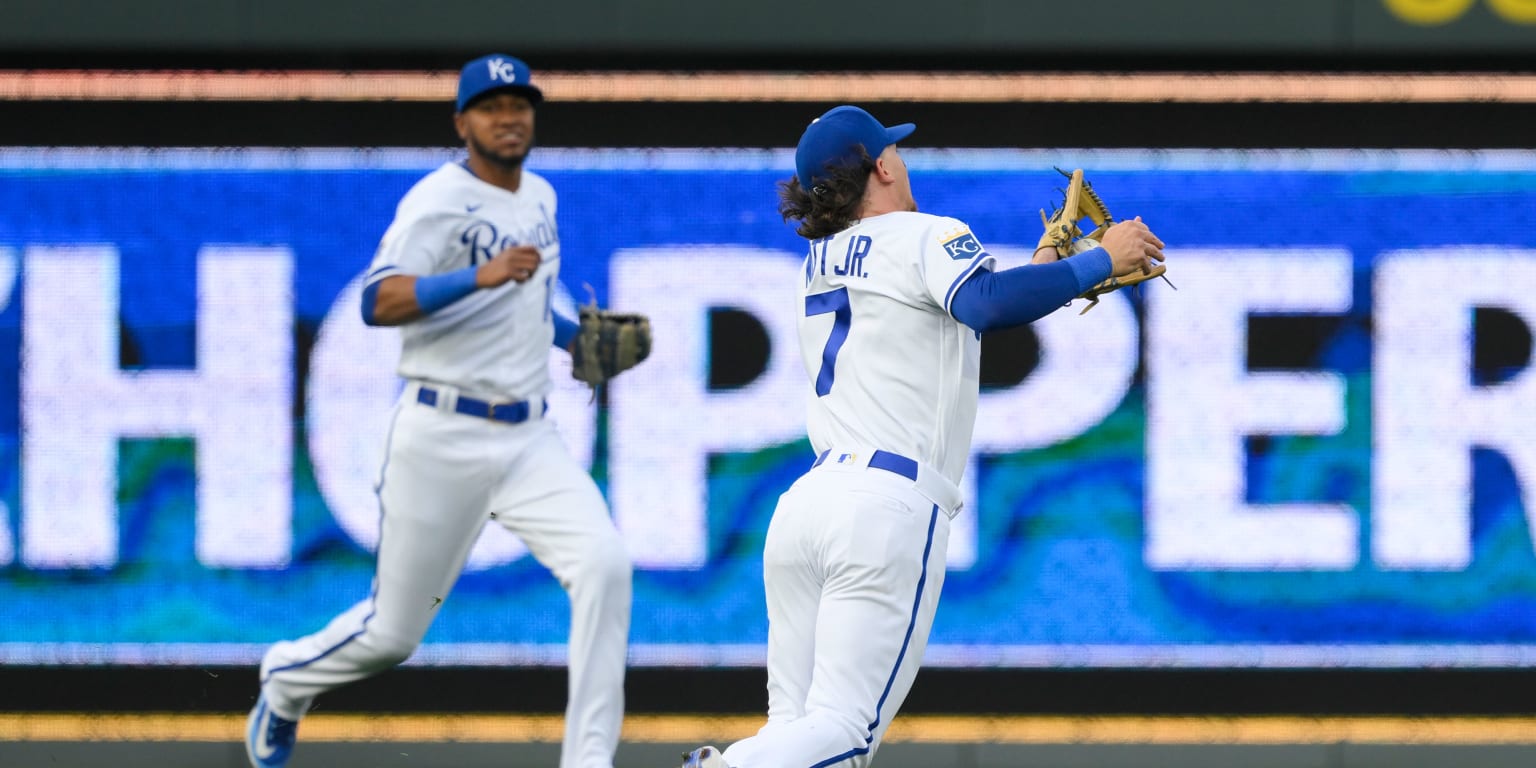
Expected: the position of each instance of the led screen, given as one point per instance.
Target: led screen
(1317, 450)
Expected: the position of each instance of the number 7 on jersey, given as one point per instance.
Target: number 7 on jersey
(835, 302)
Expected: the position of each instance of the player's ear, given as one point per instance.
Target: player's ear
(882, 172)
(461, 125)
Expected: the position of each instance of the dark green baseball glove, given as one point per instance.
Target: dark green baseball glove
(608, 344)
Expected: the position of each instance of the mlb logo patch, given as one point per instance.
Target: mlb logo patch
(966, 246)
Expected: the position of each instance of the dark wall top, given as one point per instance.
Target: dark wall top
(785, 30)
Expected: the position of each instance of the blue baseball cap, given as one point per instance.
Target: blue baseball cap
(496, 72)
(831, 138)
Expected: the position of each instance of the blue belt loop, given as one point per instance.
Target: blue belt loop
(890, 462)
(511, 413)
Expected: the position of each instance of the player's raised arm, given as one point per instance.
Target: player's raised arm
(993, 300)
(399, 299)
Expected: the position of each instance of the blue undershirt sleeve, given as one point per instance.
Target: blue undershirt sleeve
(565, 330)
(370, 299)
(432, 293)
(993, 300)
(1091, 267)
(437, 291)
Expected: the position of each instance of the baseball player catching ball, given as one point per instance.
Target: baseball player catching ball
(467, 270)
(893, 304)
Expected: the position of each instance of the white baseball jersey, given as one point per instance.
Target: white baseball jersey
(496, 341)
(875, 321)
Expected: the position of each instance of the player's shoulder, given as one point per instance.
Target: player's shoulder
(537, 184)
(937, 235)
(442, 190)
(536, 190)
(930, 229)
(915, 221)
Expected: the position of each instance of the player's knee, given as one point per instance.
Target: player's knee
(389, 651)
(605, 563)
(614, 560)
(850, 721)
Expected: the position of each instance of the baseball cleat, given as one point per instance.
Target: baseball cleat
(704, 757)
(269, 736)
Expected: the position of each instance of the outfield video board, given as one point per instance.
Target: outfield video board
(1318, 450)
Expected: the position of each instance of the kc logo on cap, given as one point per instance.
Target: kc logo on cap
(496, 71)
(503, 70)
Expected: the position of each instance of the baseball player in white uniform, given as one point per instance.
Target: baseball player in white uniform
(891, 307)
(466, 270)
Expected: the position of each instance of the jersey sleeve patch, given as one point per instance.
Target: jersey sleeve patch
(963, 245)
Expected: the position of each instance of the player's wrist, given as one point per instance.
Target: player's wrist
(566, 330)
(1091, 267)
(1045, 254)
(434, 292)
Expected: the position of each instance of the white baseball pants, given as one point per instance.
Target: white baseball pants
(444, 475)
(852, 566)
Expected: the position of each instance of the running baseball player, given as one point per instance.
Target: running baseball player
(466, 270)
(892, 307)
